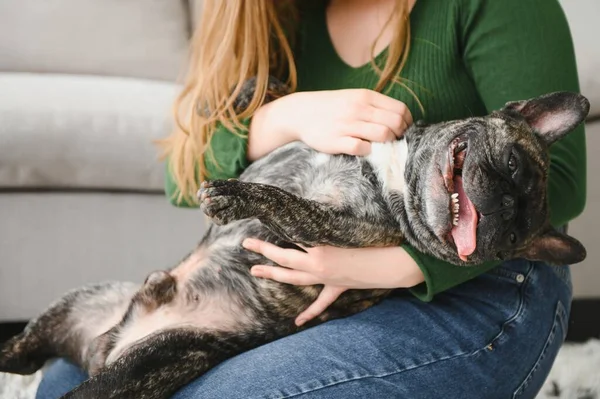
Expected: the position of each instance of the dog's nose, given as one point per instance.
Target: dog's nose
(508, 201)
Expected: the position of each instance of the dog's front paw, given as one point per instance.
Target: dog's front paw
(224, 201)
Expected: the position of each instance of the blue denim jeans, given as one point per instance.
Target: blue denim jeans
(495, 336)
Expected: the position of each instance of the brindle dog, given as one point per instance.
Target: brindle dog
(465, 191)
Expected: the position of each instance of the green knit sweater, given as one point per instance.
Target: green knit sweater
(467, 58)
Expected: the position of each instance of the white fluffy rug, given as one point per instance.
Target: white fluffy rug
(575, 375)
(19, 387)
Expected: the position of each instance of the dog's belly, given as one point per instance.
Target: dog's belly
(216, 311)
(212, 292)
(215, 290)
(186, 269)
(218, 241)
(337, 180)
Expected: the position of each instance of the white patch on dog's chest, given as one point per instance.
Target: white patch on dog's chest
(389, 160)
(321, 159)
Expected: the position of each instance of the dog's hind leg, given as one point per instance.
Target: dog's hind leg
(158, 289)
(67, 327)
(166, 361)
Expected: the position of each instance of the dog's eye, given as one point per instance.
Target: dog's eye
(513, 238)
(513, 164)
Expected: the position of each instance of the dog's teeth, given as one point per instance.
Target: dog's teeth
(455, 222)
(455, 200)
(455, 195)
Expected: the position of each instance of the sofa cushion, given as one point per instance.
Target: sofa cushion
(68, 131)
(136, 38)
(583, 17)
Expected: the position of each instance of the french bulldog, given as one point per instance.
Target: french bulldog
(465, 191)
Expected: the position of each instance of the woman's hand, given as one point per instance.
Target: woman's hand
(338, 269)
(335, 122)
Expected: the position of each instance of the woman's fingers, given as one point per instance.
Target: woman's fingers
(395, 122)
(283, 275)
(385, 111)
(282, 256)
(327, 296)
(352, 146)
(382, 101)
(296, 271)
(372, 132)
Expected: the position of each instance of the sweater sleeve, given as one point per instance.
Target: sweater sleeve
(229, 150)
(515, 50)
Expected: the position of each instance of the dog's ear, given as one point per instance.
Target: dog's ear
(554, 248)
(553, 115)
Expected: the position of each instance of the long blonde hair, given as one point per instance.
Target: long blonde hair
(235, 40)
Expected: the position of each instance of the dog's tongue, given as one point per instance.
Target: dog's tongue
(464, 233)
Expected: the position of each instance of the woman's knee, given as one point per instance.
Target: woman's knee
(61, 377)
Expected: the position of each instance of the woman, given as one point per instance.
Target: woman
(363, 70)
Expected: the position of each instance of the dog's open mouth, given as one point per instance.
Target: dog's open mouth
(463, 214)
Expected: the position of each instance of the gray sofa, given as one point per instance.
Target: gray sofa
(85, 87)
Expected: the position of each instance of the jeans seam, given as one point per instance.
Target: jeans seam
(385, 375)
(519, 310)
(559, 316)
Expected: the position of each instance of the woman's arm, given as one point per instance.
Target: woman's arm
(267, 131)
(338, 269)
(335, 122)
(361, 268)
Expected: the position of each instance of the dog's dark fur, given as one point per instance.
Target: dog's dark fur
(147, 341)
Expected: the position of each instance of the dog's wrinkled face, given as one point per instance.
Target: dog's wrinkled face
(479, 186)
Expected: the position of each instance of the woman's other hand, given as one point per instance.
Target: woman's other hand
(335, 122)
(339, 269)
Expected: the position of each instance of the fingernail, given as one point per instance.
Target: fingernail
(300, 322)
(257, 271)
(248, 243)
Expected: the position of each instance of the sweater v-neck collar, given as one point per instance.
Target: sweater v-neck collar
(331, 51)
